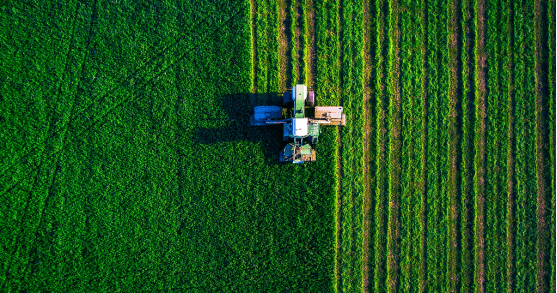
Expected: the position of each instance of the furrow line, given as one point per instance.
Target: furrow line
(393, 239)
(368, 179)
(455, 77)
(542, 147)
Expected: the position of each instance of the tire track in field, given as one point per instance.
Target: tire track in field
(542, 147)
(395, 154)
(367, 156)
(56, 166)
(480, 156)
(455, 77)
(52, 120)
(50, 193)
(122, 82)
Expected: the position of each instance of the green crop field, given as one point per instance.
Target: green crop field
(127, 162)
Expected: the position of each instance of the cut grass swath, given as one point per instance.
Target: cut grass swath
(380, 214)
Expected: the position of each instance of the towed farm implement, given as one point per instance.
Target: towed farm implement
(299, 128)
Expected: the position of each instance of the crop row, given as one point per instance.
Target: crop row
(437, 136)
(497, 136)
(412, 78)
(525, 146)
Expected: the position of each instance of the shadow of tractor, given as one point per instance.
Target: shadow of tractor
(237, 109)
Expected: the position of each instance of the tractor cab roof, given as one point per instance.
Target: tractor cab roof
(300, 127)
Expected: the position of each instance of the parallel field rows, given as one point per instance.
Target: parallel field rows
(437, 162)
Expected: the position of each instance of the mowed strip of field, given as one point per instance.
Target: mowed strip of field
(352, 185)
(473, 205)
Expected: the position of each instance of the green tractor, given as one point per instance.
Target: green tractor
(302, 131)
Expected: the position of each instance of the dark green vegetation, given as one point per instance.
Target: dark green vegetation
(128, 162)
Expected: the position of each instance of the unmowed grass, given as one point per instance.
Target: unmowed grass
(129, 162)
